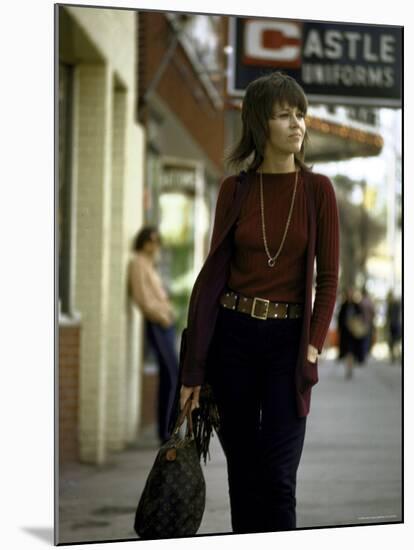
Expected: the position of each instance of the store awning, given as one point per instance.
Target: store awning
(331, 141)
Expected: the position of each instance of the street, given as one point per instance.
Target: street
(350, 471)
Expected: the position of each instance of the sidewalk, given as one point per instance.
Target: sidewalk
(350, 472)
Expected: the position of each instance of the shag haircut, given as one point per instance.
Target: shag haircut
(258, 104)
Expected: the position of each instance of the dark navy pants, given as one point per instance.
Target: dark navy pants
(250, 368)
(163, 344)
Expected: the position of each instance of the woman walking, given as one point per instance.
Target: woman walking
(251, 331)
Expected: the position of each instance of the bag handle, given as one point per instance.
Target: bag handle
(186, 412)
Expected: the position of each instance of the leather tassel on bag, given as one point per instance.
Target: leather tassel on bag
(205, 417)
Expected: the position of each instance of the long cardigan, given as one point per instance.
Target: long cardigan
(212, 279)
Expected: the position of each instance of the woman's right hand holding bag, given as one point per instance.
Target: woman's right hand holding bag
(188, 391)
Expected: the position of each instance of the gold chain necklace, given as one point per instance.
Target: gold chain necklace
(271, 261)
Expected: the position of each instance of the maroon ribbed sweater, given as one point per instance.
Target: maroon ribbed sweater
(323, 244)
(285, 282)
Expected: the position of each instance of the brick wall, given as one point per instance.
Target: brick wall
(69, 341)
(116, 340)
(179, 87)
(107, 171)
(93, 139)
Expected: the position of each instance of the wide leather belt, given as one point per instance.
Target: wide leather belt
(260, 308)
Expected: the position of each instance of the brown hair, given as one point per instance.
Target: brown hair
(147, 233)
(258, 102)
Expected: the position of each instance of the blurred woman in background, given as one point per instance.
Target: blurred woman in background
(150, 296)
(353, 330)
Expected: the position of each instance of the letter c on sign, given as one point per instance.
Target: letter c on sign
(272, 43)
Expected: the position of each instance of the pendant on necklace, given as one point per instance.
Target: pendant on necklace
(271, 262)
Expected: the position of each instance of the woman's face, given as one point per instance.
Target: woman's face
(286, 128)
(153, 243)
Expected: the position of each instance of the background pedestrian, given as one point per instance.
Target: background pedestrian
(148, 293)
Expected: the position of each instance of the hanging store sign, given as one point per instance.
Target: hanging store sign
(335, 63)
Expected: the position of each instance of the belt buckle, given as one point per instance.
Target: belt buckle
(255, 300)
